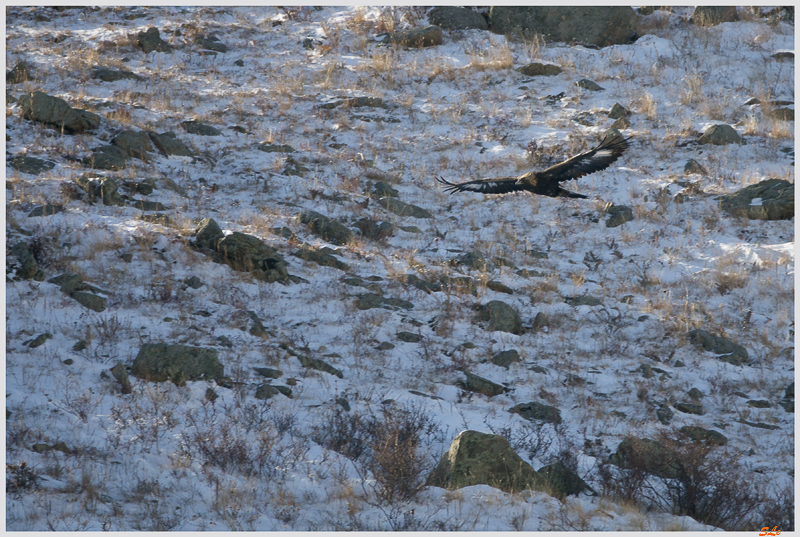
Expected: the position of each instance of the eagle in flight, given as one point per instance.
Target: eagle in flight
(546, 183)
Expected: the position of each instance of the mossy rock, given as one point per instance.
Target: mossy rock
(159, 362)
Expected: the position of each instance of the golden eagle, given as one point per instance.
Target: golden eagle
(546, 183)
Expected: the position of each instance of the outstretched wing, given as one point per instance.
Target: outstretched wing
(599, 158)
(502, 185)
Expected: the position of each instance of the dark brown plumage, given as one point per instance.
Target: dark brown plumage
(546, 183)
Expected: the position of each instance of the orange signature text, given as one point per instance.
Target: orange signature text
(765, 531)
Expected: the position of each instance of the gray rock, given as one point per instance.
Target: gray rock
(269, 373)
(354, 102)
(121, 374)
(151, 41)
(103, 188)
(540, 69)
(159, 362)
(501, 317)
(539, 321)
(428, 36)
(144, 205)
(108, 157)
(777, 201)
(371, 300)
(534, 411)
(169, 145)
(39, 340)
(621, 124)
(18, 74)
(590, 85)
(419, 283)
(266, 391)
(31, 165)
(208, 234)
(618, 215)
(476, 458)
(136, 144)
(409, 337)
(48, 209)
(713, 15)
(326, 228)
(246, 253)
(600, 26)
(201, 129)
(696, 394)
(401, 208)
(275, 148)
(506, 358)
(649, 455)
(664, 414)
(700, 434)
(782, 114)
(475, 383)
(374, 230)
(382, 189)
(112, 75)
(323, 257)
(89, 300)
(692, 166)
(720, 135)
(28, 267)
(56, 113)
(728, 350)
(457, 18)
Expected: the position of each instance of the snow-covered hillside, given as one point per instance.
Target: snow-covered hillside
(364, 317)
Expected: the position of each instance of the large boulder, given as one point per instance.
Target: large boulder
(56, 113)
(772, 199)
(326, 228)
(247, 253)
(600, 26)
(713, 15)
(501, 317)
(136, 144)
(720, 135)
(477, 458)
(159, 362)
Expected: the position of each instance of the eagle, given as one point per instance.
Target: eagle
(546, 183)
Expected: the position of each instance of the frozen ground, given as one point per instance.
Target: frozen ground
(165, 457)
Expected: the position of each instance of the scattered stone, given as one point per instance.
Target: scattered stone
(194, 282)
(384, 346)
(498, 287)
(534, 411)
(457, 18)
(371, 300)
(159, 362)
(151, 41)
(112, 75)
(590, 85)
(382, 189)
(647, 371)
(46, 210)
(30, 165)
(401, 208)
(326, 228)
(266, 391)
(59, 446)
(409, 337)
(39, 340)
(321, 256)
(696, 394)
(599, 26)
(540, 69)
(650, 455)
(257, 329)
(539, 322)
(560, 482)
(782, 114)
(727, 350)
(474, 260)
(692, 166)
(476, 458)
(144, 205)
(713, 15)
(374, 230)
(80, 346)
(759, 425)
(700, 434)
(319, 365)
(618, 215)
(664, 414)
(621, 124)
(269, 372)
(121, 374)
(759, 403)
(201, 129)
(28, 267)
(56, 113)
(18, 74)
(428, 36)
(423, 285)
(506, 358)
(474, 383)
(354, 102)
(771, 199)
(720, 135)
(501, 317)
(104, 188)
(225, 342)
